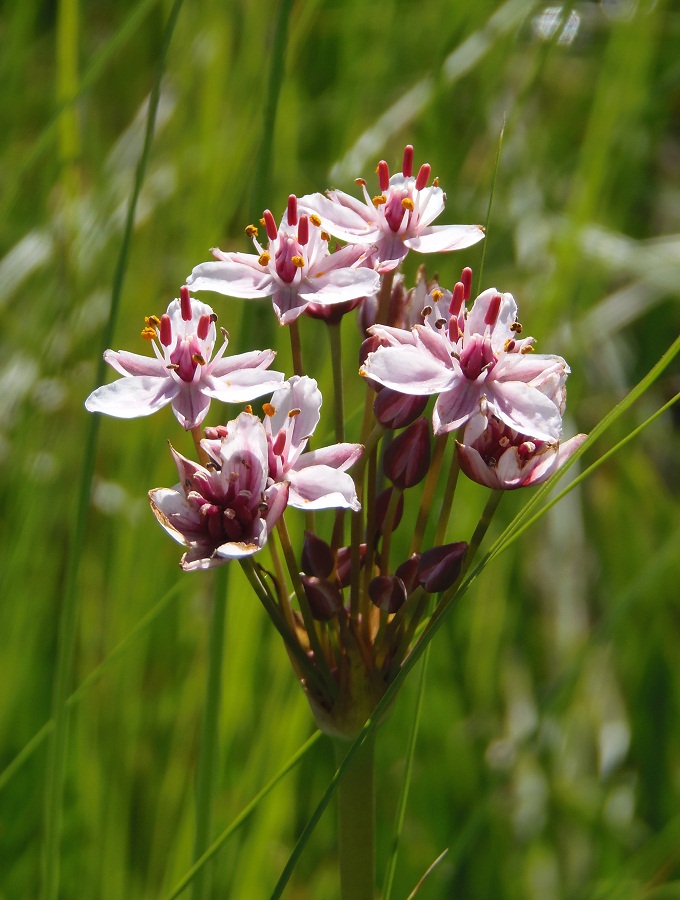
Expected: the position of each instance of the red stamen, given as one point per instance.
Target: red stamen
(454, 330)
(203, 327)
(383, 175)
(292, 211)
(423, 176)
(457, 298)
(303, 230)
(466, 278)
(166, 331)
(407, 165)
(270, 225)
(493, 309)
(185, 303)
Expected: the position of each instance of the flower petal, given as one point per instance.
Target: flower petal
(134, 364)
(441, 238)
(321, 487)
(239, 275)
(409, 370)
(131, 397)
(338, 456)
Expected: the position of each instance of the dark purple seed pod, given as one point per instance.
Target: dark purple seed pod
(408, 572)
(407, 458)
(316, 557)
(395, 410)
(382, 503)
(440, 566)
(343, 563)
(323, 596)
(387, 592)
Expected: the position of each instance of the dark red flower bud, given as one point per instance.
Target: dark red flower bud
(387, 592)
(343, 563)
(408, 572)
(316, 557)
(407, 458)
(440, 566)
(332, 312)
(323, 596)
(395, 410)
(381, 504)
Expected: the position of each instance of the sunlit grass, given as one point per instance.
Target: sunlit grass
(547, 755)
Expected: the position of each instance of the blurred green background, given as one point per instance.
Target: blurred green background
(548, 761)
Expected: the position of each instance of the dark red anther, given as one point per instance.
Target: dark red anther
(383, 175)
(423, 176)
(185, 303)
(203, 327)
(457, 298)
(303, 230)
(292, 211)
(466, 278)
(270, 224)
(166, 331)
(492, 311)
(407, 165)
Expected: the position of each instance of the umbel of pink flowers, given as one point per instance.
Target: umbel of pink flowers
(504, 402)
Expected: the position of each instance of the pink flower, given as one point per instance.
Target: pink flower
(397, 219)
(295, 269)
(499, 457)
(476, 363)
(182, 372)
(318, 478)
(226, 511)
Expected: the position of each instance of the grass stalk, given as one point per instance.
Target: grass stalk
(57, 753)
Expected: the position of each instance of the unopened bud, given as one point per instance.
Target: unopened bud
(439, 567)
(324, 597)
(395, 410)
(387, 592)
(408, 572)
(317, 556)
(381, 504)
(331, 312)
(343, 563)
(407, 458)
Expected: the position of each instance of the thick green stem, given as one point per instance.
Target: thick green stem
(356, 821)
(205, 774)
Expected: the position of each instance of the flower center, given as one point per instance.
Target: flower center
(477, 356)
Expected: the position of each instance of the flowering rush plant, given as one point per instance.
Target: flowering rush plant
(348, 607)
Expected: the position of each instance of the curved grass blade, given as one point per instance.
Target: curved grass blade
(242, 816)
(56, 763)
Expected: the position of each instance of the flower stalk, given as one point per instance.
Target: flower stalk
(356, 821)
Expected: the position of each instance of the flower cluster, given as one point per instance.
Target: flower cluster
(346, 607)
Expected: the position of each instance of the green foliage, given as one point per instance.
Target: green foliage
(546, 760)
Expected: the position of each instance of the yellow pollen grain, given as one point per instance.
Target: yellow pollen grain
(293, 413)
(249, 409)
(325, 236)
(435, 183)
(263, 223)
(527, 349)
(315, 220)
(148, 333)
(407, 203)
(297, 261)
(198, 359)
(437, 295)
(379, 200)
(360, 181)
(509, 344)
(252, 231)
(516, 327)
(268, 409)
(264, 259)
(152, 321)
